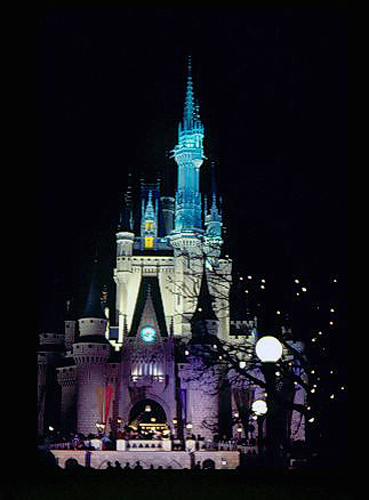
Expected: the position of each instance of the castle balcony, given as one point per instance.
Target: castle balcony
(142, 380)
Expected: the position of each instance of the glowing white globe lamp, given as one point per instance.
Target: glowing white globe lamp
(268, 349)
(259, 407)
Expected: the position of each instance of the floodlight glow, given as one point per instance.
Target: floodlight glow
(268, 349)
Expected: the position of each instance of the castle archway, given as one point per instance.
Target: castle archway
(148, 418)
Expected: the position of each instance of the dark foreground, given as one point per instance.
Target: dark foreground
(86, 484)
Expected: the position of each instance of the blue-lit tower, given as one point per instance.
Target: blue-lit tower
(189, 155)
(213, 240)
(149, 215)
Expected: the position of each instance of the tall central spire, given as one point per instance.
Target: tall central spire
(188, 117)
(189, 155)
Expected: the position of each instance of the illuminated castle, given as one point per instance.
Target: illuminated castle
(171, 280)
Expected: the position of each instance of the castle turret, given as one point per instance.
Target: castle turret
(187, 236)
(213, 240)
(203, 394)
(124, 235)
(49, 354)
(149, 216)
(70, 325)
(167, 207)
(204, 321)
(90, 354)
(189, 155)
(125, 241)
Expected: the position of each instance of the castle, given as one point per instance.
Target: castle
(172, 280)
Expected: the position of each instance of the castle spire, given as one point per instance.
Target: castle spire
(125, 216)
(213, 187)
(204, 309)
(204, 321)
(93, 308)
(189, 109)
(189, 155)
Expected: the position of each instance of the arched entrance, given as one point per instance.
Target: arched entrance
(147, 418)
(208, 464)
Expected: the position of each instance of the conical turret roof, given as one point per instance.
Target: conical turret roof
(204, 309)
(93, 307)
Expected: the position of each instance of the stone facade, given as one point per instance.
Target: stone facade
(165, 459)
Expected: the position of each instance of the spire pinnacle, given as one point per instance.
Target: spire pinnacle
(125, 215)
(189, 109)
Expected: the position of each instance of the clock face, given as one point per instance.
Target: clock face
(148, 333)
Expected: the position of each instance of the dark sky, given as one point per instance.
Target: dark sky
(271, 83)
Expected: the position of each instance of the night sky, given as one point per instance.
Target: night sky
(271, 83)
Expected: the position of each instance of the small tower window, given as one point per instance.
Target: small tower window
(149, 225)
(149, 242)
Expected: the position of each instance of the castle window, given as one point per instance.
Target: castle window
(149, 225)
(149, 242)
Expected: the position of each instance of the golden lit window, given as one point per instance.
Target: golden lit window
(149, 225)
(149, 241)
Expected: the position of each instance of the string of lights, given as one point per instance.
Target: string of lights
(320, 306)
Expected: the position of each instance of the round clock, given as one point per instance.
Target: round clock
(148, 333)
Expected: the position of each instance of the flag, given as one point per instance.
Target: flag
(108, 397)
(99, 397)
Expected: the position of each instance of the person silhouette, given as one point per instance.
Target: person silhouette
(138, 466)
(127, 466)
(109, 467)
(117, 465)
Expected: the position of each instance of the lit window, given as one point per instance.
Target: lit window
(149, 225)
(149, 241)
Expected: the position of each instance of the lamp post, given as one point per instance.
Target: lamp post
(269, 350)
(260, 408)
(175, 423)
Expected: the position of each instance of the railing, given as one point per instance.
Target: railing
(144, 445)
(157, 445)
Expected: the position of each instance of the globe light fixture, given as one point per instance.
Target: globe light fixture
(259, 407)
(148, 408)
(268, 349)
